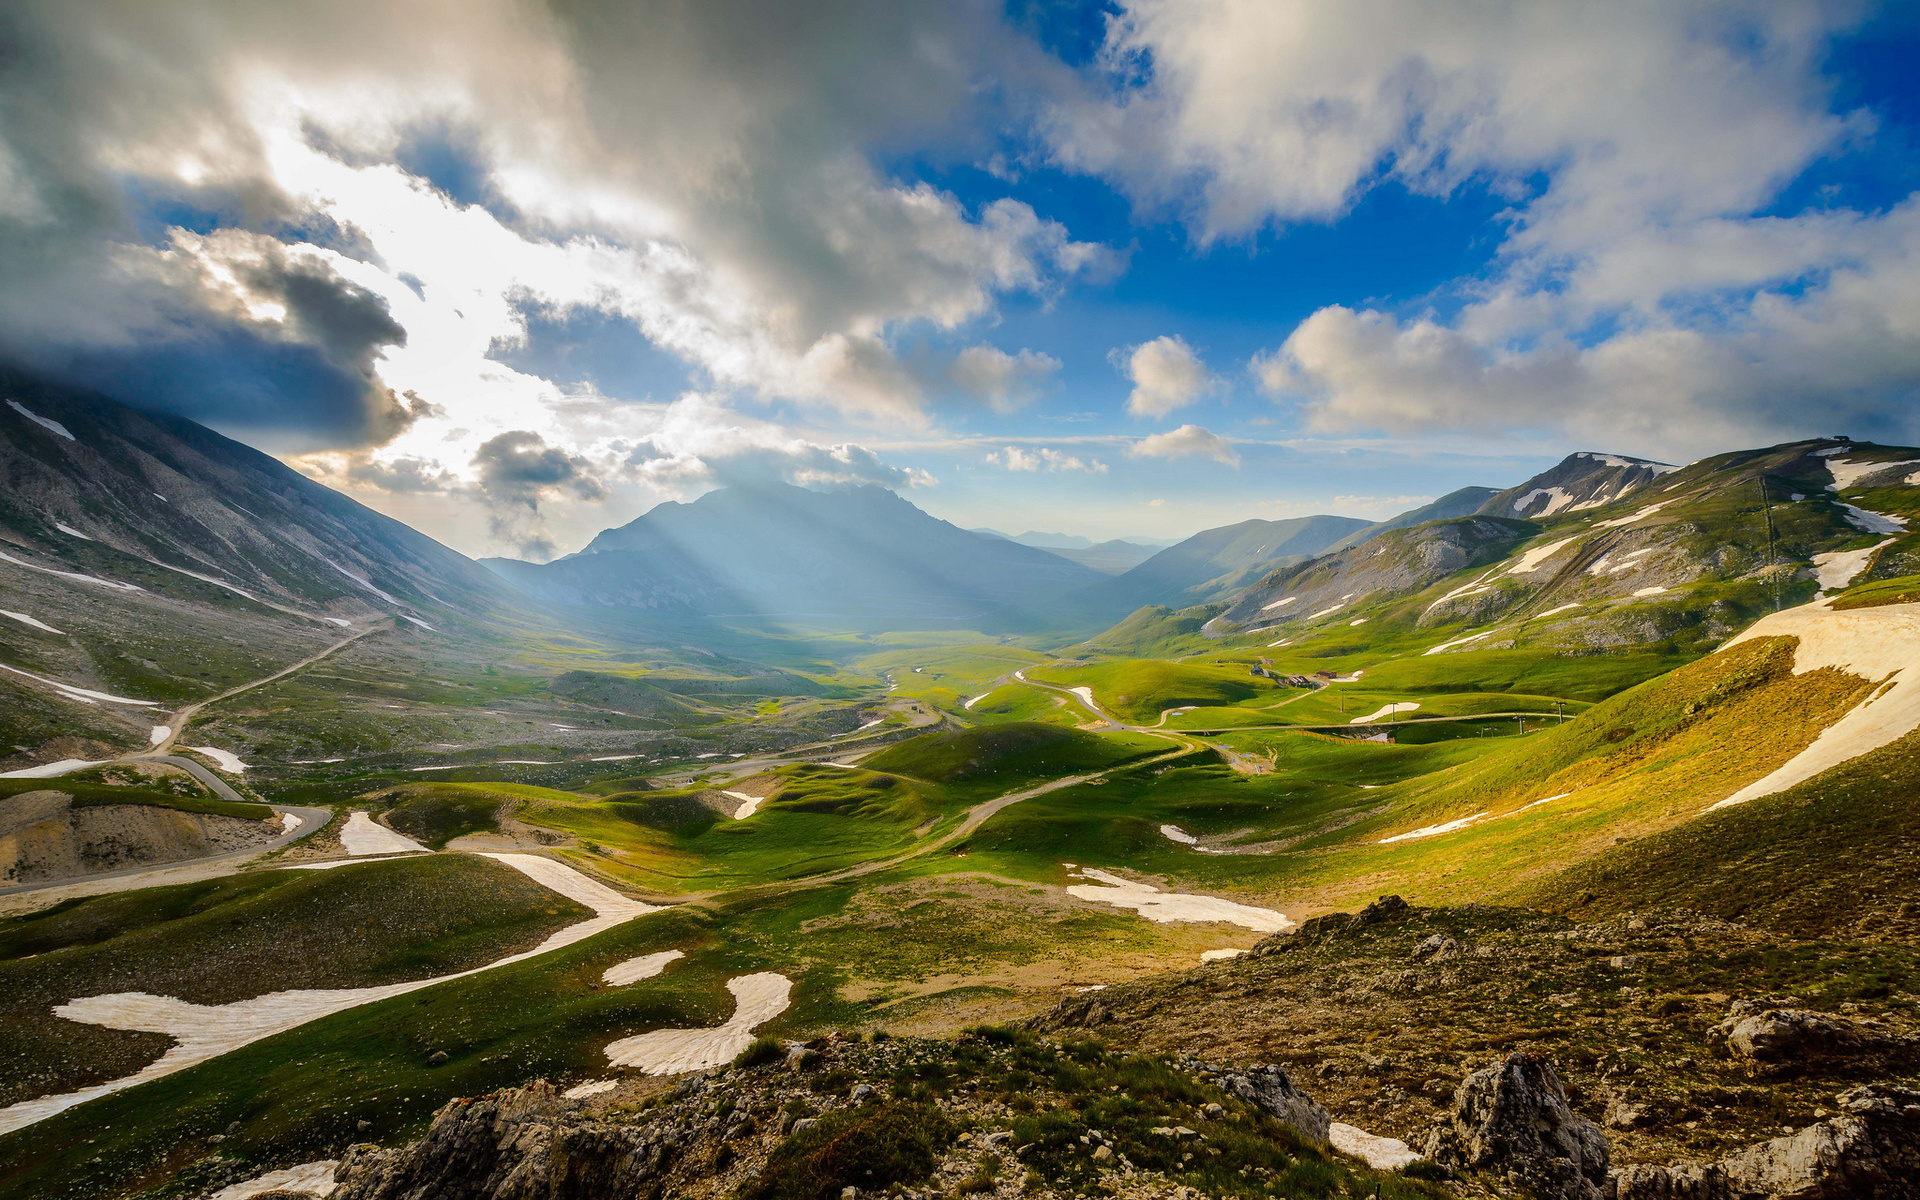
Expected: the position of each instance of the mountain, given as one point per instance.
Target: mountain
(1109, 558)
(1053, 541)
(1461, 503)
(105, 487)
(1216, 562)
(1579, 482)
(1633, 555)
(849, 555)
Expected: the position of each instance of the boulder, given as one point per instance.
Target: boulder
(1512, 1121)
(1780, 1040)
(1272, 1090)
(1871, 1151)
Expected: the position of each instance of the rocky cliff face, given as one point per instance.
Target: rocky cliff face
(44, 835)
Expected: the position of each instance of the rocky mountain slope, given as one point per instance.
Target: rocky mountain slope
(852, 555)
(1215, 562)
(1462, 502)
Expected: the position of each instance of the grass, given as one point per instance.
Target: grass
(1901, 589)
(1140, 689)
(436, 813)
(228, 939)
(997, 757)
(92, 794)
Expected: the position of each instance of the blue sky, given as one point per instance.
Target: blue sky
(1102, 268)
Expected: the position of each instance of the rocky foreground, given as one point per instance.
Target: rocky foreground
(1086, 1101)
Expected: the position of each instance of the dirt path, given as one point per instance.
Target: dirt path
(177, 723)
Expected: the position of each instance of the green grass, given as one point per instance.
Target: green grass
(436, 813)
(228, 939)
(1140, 689)
(90, 794)
(1901, 589)
(997, 757)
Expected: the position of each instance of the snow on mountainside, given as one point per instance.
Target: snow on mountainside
(1581, 481)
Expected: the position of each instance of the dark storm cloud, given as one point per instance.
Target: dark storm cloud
(518, 471)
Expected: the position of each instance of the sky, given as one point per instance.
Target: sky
(514, 273)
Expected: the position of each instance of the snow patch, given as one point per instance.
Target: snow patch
(1278, 604)
(205, 1031)
(219, 583)
(748, 804)
(342, 622)
(1385, 710)
(83, 695)
(1642, 515)
(1557, 499)
(1427, 831)
(26, 620)
(1360, 621)
(362, 836)
(362, 580)
(226, 760)
(1166, 907)
(757, 999)
(1846, 472)
(289, 822)
(1472, 637)
(633, 970)
(978, 699)
(592, 1087)
(1207, 956)
(1560, 609)
(52, 770)
(158, 734)
(1836, 568)
(1872, 522)
(314, 1178)
(76, 576)
(1323, 612)
(1531, 561)
(1650, 591)
(1380, 1153)
(70, 531)
(419, 622)
(1874, 643)
(1176, 834)
(46, 423)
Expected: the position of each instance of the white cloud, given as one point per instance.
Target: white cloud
(1005, 381)
(1043, 458)
(1166, 374)
(1187, 441)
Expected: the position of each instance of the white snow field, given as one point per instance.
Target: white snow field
(1846, 472)
(46, 423)
(1426, 831)
(1642, 515)
(748, 804)
(1650, 591)
(1167, 907)
(1380, 1153)
(204, 1031)
(362, 836)
(52, 770)
(633, 970)
(1533, 559)
(115, 584)
(757, 999)
(314, 1178)
(226, 760)
(31, 623)
(1836, 568)
(1174, 833)
(1385, 710)
(1872, 522)
(1207, 956)
(592, 1087)
(1282, 603)
(70, 531)
(1878, 644)
(1472, 637)
(158, 734)
(83, 695)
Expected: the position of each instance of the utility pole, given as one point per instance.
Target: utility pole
(1767, 507)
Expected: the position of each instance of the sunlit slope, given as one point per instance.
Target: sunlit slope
(1677, 558)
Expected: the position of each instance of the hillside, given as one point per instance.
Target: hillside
(1462, 502)
(1215, 562)
(859, 556)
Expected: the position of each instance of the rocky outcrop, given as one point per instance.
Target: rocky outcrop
(44, 835)
(1871, 1151)
(1512, 1122)
(1272, 1090)
(1780, 1041)
(525, 1144)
